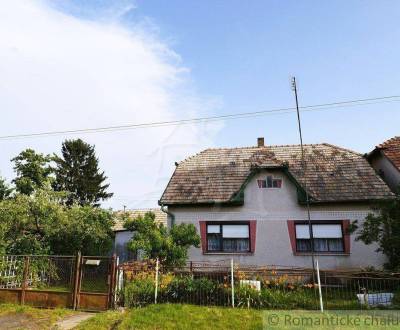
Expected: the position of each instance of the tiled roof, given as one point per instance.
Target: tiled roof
(161, 217)
(391, 149)
(333, 174)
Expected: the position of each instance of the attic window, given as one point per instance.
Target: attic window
(270, 182)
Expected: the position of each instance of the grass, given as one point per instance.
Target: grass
(42, 318)
(176, 316)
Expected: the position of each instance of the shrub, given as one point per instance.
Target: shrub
(396, 298)
(139, 292)
(196, 291)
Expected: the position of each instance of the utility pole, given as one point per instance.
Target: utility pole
(304, 168)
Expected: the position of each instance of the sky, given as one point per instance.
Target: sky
(73, 64)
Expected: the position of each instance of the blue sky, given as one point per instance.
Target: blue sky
(244, 52)
(224, 57)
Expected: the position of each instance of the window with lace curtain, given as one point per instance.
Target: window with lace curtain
(228, 237)
(326, 237)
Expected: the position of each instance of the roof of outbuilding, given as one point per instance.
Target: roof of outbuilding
(333, 174)
(161, 217)
(391, 149)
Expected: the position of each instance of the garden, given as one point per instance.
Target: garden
(259, 288)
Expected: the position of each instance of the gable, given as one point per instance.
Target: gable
(219, 176)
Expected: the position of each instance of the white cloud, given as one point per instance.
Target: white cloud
(61, 72)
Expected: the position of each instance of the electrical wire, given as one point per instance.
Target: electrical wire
(316, 107)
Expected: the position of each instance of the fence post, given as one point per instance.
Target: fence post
(232, 285)
(321, 303)
(112, 280)
(156, 288)
(24, 279)
(76, 280)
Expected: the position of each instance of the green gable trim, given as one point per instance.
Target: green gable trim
(238, 197)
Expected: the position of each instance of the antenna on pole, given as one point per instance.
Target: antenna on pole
(304, 169)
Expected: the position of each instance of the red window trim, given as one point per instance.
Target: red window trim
(252, 236)
(346, 235)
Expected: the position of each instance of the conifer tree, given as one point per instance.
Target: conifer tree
(78, 173)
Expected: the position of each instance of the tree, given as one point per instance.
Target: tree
(383, 227)
(77, 172)
(87, 229)
(154, 241)
(5, 189)
(40, 224)
(33, 171)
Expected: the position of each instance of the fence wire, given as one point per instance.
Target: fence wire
(41, 272)
(254, 286)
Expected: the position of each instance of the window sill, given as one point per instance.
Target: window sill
(342, 254)
(229, 253)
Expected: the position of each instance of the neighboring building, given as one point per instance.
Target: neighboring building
(122, 236)
(385, 159)
(249, 204)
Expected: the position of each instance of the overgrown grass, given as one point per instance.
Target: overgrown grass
(176, 316)
(103, 321)
(42, 318)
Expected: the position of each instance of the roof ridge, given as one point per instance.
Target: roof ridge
(383, 144)
(341, 148)
(266, 146)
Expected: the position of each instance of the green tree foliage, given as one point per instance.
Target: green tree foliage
(383, 227)
(77, 172)
(5, 189)
(153, 240)
(39, 224)
(33, 171)
(86, 229)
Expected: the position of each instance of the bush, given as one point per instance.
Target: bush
(196, 291)
(203, 291)
(139, 292)
(396, 298)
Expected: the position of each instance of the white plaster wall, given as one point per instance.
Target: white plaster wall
(392, 174)
(272, 208)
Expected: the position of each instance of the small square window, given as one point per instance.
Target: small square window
(277, 183)
(262, 183)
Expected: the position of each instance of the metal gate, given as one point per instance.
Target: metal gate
(78, 282)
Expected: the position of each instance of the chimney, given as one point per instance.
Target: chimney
(260, 142)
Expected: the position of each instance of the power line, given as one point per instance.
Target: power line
(316, 107)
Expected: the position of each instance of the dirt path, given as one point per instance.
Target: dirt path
(72, 321)
(13, 321)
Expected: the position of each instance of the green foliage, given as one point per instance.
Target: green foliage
(154, 241)
(248, 297)
(5, 189)
(383, 227)
(174, 316)
(33, 171)
(139, 292)
(39, 224)
(77, 172)
(194, 290)
(86, 229)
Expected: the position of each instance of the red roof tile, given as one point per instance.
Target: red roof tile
(391, 149)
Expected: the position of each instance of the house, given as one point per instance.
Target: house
(122, 236)
(385, 159)
(249, 204)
